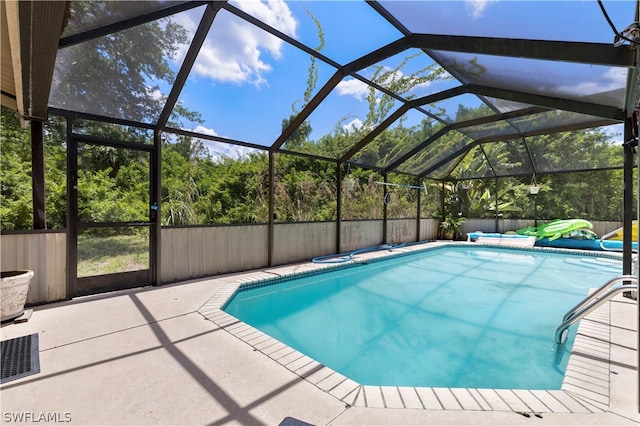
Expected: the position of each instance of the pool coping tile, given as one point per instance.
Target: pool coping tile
(466, 399)
(447, 399)
(373, 397)
(585, 388)
(331, 382)
(391, 397)
(344, 389)
(429, 399)
(410, 397)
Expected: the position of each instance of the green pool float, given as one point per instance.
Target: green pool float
(554, 229)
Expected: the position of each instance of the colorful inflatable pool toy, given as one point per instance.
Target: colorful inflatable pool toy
(619, 232)
(573, 243)
(555, 229)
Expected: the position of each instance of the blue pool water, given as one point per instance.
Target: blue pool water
(446, 317)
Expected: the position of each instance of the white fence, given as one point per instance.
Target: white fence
(45, 254)
(504, 225)
(193, 252)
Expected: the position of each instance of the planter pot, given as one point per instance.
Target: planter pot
(349, 184)
(13, 293)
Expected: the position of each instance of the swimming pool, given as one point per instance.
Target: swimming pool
(446, 317)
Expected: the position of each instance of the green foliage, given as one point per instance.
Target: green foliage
(114, 75)
(304, 189)
(15, 177)
(302, 132)
(199, 189)
(402, 200)
(55, 157)
(451, 224)
(236, 191)
(366, 199)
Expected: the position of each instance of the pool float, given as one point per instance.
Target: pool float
(581, 234)
(634, 233)
(555, 229)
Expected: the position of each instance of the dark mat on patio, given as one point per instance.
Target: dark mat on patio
(20, 357)
(290, 421)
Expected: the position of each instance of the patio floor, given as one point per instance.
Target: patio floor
(149, 356)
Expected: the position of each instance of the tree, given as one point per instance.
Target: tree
(117, 75)
(302, 132)
(15, 177)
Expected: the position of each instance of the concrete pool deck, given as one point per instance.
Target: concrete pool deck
(152, 356)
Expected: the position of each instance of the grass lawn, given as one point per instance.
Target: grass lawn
(99, 255)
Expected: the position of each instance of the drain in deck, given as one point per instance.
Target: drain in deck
(20, 357)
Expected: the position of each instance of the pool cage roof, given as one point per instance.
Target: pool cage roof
(471, 78)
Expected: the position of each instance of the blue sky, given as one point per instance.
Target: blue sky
(245, 81)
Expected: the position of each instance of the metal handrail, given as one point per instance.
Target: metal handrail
(602, 246)
(562, 330)
(609, 234)
(606, 237)
(604, 287)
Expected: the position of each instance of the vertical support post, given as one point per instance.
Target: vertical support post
(418, 211)
(495, 211)
(271, 209)
(637, 304)
(384, 210)
(627, 217)
(338, 205)
(633, 124)
(441, 207)
(37, 175)
(72, 212)
(630, 148)
(155, 240)
(631, 137)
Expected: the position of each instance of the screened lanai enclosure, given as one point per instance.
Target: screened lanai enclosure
(169, 140)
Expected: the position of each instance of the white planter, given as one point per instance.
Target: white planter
(13, 293)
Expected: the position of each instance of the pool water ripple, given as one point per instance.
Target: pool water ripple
(454, 317)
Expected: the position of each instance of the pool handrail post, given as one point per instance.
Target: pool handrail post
(625, 279)
(560, 335)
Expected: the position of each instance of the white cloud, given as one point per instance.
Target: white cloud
(615, 133)
(353, 87)
(219, 150)
(613, 78)
(353, 125)
(205, 131)
(156, 94)
(275, 13)
(617, 77)
(360, 90)
(476, 7)
(234, 49)
(422, 87)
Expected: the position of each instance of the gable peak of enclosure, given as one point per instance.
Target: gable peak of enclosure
(440, 90)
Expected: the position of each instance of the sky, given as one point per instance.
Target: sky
(245, 81)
